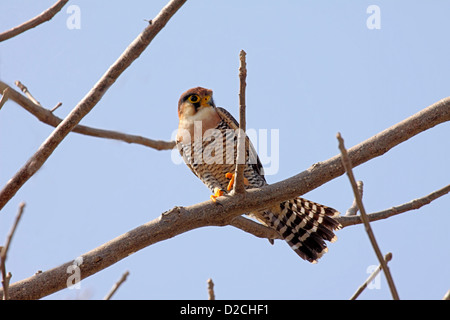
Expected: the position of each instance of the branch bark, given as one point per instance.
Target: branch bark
(183, 219)
(387, 258)
(43, 17)
(89, 101)
(353, 210)
(47, 117)
(257, 229)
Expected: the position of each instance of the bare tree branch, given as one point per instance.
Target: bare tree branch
(49, 118)
(183, 219)
(348, 168)
(412, 205)
(261, 231)
(257, 229)
(43, 17)
(387, 258)
(25, 90)
(379, 144)
(353, 210)
(59, 104)
(117, 285)
(4, 252)
(242, 140)
(211, 295)
(5, 97)
(89, 101)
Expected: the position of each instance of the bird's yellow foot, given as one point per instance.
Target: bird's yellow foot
(217, 193)
(230, 176)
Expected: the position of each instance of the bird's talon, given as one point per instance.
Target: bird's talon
(230, 176)
(217, 193)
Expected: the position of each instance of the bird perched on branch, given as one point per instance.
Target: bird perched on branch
(207, 139)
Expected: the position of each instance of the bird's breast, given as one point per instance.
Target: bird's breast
(192, 127)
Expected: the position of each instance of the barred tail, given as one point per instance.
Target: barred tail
(305, 226)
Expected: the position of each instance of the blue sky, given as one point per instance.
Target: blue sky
(314, 69)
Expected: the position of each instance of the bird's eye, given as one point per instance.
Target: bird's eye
(194, 98)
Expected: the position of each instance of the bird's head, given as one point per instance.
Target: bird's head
(194, 101)
(196, 107)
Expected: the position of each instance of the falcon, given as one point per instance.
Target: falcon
(207, 140)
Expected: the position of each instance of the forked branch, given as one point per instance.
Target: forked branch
(346, 162)
(47, 117)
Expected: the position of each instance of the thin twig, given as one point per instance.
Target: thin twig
(43, 17)
(47, 117)
(353, 210)
(254, 228)
(131, 53)
(25, 90)
(117, 285)
(242, 146)
(384, 214)
(348, 168)
(4, 252)
(59, 104)
(211, 295)
(387, 258)
(5, 97)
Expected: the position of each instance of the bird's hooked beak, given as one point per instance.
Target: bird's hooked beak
(206, 101)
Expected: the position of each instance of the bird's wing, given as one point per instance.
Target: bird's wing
(181, 148)
(233, 124)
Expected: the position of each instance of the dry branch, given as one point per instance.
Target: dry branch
(116, 286)
(242, 141)
(25, 90)
(43, 17)
(348, 168)
(89, 101)
(47, 117)
(412, 205)
(5, 97)
(211, 295)
(257, 229)
(59, 104)
(4, 253)
(183, 219)
(353, 210)
(261, 231)
(387, 258)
